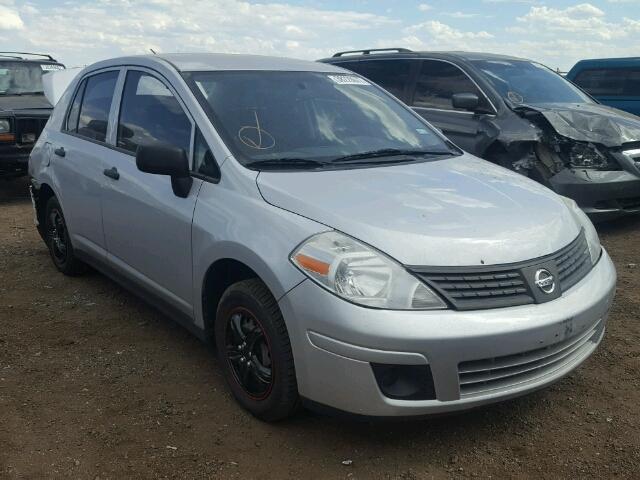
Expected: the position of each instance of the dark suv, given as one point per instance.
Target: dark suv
(24, 110)
(521, 115)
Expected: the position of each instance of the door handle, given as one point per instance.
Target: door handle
(59, 151)
(112, 173)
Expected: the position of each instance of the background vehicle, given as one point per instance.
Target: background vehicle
(336, 248)
(611, 81)
(521, 115)
(24, 110)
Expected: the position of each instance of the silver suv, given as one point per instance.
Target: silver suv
(337, 249)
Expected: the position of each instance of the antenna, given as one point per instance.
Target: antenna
(153, 51)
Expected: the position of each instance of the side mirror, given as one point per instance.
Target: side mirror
(166, 160)
(465, 101)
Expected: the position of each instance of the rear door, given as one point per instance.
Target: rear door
(436, 83)
(616, 87)
(147, 227)
(79, 154)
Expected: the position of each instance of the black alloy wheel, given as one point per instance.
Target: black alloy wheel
(249, 353)
(56, 233)
(254, 351)
(58, 240)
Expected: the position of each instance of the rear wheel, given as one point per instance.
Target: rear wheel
(254, 351)
(58, 241)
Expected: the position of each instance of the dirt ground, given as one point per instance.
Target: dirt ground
(96, 384)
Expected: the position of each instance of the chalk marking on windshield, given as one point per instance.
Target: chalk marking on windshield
(243, 135)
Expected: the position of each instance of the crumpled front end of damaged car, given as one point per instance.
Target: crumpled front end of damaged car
(587, 152)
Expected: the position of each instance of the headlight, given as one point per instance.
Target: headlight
(5, 125)
(593, 241)
(586, 155)
(362, 275)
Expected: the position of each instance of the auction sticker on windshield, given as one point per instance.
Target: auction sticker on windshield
(348, 80)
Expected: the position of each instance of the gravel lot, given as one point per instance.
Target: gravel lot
(96, 384)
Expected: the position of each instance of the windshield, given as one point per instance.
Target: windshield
(18, 78)
(519, 81)
(306, 117)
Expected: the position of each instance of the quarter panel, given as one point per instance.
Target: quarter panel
(231, 220)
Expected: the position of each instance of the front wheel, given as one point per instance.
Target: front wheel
(254, 351)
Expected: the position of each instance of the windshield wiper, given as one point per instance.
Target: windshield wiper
(389, 152)
(285, 163)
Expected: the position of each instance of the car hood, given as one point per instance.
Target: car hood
(452, 212)
(590, 122)
(20, 103)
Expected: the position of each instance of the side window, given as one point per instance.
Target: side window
(203, 161)
(438, 82)
(74, 111)
(150, 114)
(392, 75)
(96, 103)
(610, 83)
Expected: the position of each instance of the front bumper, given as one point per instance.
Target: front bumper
(335, 342)
(603, 195)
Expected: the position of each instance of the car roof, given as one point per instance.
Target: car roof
(193, 62)
(460, 55)
(611, 62)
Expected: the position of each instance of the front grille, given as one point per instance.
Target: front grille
(26, 126)
(485, 289)
(573, 262)
(480, 377)
(482, 287)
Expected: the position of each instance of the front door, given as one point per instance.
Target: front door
(436, 83)
(147, 227)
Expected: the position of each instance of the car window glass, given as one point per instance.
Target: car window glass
(438, 82)
(96, 103)
(610, 82)
(150, 114)
(307, 116)
(20, 78)
(524, 82)
(203, 160)
(392, 75)
(74, 111)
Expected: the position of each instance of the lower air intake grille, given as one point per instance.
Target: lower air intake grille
(479, 377)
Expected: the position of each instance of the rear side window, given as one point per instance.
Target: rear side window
(439, 81)
(96, 103)
(615, 82)
(392, 75)
(74, 111)
(150, 114)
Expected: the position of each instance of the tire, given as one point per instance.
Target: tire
(58, 241)
(254, 351)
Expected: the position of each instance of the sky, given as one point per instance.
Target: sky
(555, 33)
